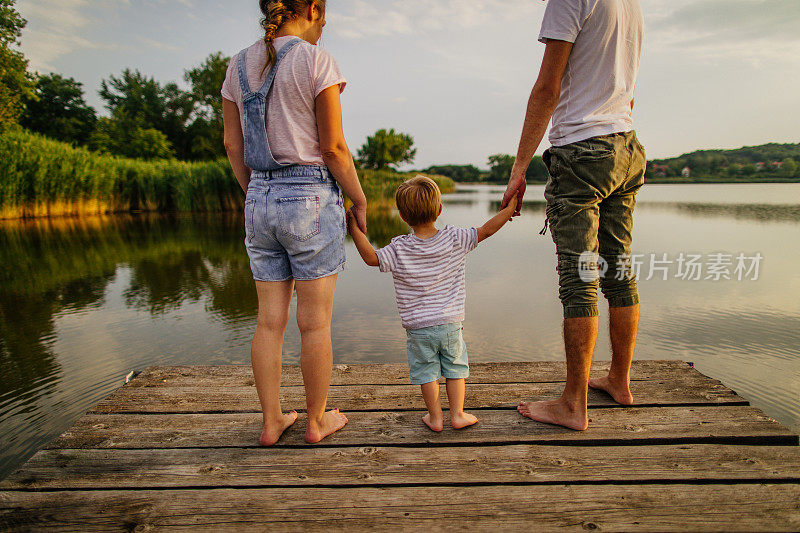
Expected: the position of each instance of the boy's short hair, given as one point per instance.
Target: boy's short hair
(418, 200)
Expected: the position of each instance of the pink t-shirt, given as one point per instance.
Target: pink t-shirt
(305, 71)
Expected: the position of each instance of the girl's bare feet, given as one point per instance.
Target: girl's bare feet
(272, 433)
(558, 412)
(436, 424)
(620, 391)
(331, 422)
(462, 420)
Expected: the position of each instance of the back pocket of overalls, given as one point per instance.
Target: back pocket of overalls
(298, 216)
(249, 214)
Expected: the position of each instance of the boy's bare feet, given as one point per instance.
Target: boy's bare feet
(435, 423)
(619, 390)
(558, 412)
(462, 420)
(331, 422)
(273, 432)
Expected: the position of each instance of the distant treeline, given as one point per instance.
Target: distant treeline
(500, 166)
(751, 163)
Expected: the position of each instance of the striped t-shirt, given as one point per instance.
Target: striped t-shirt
(429, 275)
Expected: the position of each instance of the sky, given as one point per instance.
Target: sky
(456, 74)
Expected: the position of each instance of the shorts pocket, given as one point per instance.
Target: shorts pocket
(249, 214)
(298, 216)
(598, 154)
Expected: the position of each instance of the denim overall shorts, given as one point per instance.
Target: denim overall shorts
(294, 214)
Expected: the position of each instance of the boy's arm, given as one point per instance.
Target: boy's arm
(497, 221)
(362, 243)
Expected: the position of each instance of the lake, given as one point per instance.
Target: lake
(85, 301)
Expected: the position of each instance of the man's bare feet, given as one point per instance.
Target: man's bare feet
(273, 433)
(331, 422)
(557, 412)
(620, 391)
(462, 420)
(435, 423)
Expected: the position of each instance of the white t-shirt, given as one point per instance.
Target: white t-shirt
(600, 78)
(429, 275)
(305, 71)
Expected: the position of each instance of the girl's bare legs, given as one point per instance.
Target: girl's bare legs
(314, 310)
(265, 356)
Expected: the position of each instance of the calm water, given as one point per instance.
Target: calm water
(84, 302)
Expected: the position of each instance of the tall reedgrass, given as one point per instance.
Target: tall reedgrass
(42, 177)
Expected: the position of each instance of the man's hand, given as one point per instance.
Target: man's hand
(516, 190)
(359, 215)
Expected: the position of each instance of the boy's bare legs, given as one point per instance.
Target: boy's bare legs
(456, 390)
(314, 310)
(430, 393)
(624, 323)
(580, 335)
(265, 356)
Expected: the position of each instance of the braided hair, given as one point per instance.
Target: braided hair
(276, 13)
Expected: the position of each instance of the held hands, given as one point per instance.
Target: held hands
(357, 220)
(516, 191)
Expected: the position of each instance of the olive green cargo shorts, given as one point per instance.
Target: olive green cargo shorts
(591, 194)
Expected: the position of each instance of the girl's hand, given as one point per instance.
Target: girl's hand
(360, 216)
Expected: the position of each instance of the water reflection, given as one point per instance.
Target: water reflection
(84, 301)
(756, 212)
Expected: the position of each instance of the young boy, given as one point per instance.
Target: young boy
(428, 271)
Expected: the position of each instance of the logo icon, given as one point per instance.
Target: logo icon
(591, 266)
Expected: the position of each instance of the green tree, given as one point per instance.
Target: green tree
(387, 148)
(537, 170)
(789, 168)
(500, 166)
(59, 110)
(127, 136)
(462, 173)
(151, 106)
(15, 82)
(206, 129)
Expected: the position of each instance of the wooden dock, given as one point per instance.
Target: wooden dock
(177, 447)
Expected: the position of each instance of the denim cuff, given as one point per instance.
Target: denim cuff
(580, 311)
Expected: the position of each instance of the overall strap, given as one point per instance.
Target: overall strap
(243, 83)
(281, 54)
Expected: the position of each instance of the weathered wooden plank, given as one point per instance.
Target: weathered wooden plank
(718, 507)
(394, 374)
(398, 397)
(360, 466)
(728, 424)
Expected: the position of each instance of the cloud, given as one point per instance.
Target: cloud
(755, 31)
(358, 19)
(55, 29)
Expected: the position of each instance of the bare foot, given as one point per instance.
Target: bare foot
(272, 434)
(331, 422)
(620, 391)
(556, 412)
(436, 424)
(462, 420)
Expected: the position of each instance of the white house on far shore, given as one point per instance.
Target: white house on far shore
(686, 172)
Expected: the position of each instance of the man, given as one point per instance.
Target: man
(586, 84)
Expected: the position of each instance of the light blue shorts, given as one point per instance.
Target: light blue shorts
(437, 351)
(294, 224)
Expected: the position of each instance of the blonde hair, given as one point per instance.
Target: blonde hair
(419, 200)
(276, 12)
